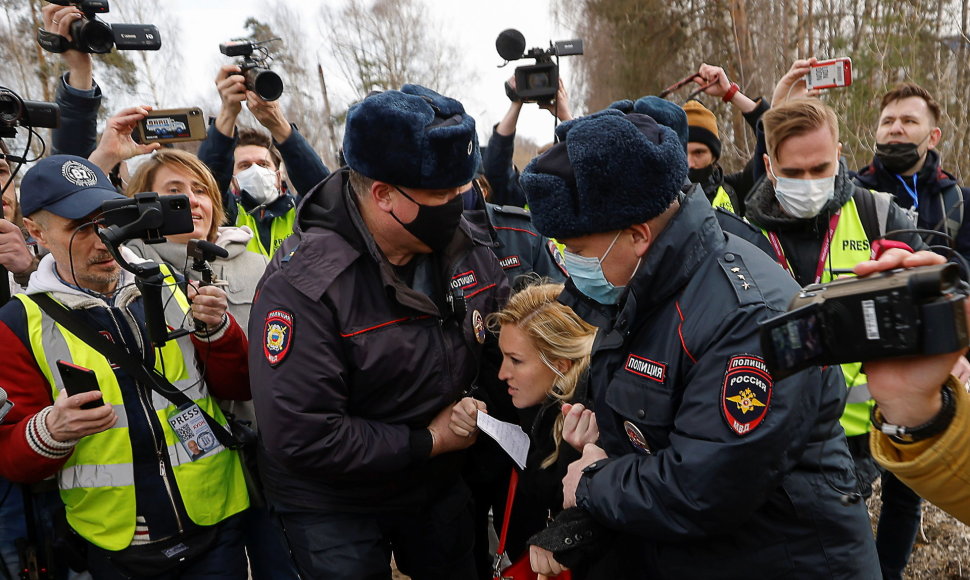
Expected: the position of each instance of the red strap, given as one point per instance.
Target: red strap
(880, 246)
(823, 254)
(730, 93)
(513, 482)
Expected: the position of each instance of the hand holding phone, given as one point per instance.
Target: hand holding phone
(171, 126)
(830, 74)
(78, 380)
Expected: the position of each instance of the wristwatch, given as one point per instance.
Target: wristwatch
(934, 426)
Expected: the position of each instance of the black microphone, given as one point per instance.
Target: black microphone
(510, 44)
(5, 404)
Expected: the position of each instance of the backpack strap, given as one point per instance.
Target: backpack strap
(874, 207)
(952, 209)
(134, 367)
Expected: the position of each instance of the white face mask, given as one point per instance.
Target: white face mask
(803, 198)
(260, 183)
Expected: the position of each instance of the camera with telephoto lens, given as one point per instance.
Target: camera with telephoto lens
(255, 67)
(16, 112)
(535, 83)
(92, 35)
(891, 314)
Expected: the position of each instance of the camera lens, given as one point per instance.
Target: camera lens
(92, 36)
(10, 109)
(265, 83)
(538, 81)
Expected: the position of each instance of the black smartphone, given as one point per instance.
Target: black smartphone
(79, 380)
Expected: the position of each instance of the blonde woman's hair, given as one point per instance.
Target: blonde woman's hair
(144, 177)
(557, 333)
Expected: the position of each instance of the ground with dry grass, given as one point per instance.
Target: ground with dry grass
(942, 550)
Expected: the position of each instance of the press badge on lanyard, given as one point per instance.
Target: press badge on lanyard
(193, 432)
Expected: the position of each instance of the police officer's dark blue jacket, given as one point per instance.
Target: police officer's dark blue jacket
(519, 248)
(350, 364)
(715, 470)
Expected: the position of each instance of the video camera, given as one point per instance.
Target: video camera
(16, 112)
(93, 35)
(536, 83)
(148, 217)
(890, 314)
(255, 67)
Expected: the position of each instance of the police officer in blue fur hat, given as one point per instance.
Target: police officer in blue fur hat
(367, 328)
(707, 466)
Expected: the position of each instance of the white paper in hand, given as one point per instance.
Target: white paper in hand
(509, 436)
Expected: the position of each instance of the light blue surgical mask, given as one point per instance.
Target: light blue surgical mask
(587, 275)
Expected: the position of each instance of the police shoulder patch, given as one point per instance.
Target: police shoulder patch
(277, 336)
(557, 257)
(746, 393)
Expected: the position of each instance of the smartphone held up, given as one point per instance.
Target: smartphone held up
(830, 74)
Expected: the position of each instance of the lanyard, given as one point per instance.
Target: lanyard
(910, 190)
(823, 255)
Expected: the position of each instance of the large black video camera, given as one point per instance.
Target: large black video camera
(890, 314)
(536, 83)
(255, 67)
(16, 112)
(93, 35)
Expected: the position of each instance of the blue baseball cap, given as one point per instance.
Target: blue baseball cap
(65, 185)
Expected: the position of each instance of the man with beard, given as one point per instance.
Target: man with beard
(907, 165)
(367, 328)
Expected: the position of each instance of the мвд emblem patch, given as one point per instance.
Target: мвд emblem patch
(277, 336)
(746, 393)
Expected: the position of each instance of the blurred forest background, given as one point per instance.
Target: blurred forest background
(632, 48)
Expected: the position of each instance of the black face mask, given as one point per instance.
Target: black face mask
(435, 225)
(701, 176)
(897, 157)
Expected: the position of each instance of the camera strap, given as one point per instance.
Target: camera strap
(52, 42)
(129, 364)
(823, 254)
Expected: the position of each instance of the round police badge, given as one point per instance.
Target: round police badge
(636, 437)
(478, 325)
(79, 174)
(277, 336)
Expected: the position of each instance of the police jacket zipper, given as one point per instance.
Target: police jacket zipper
(146, 404)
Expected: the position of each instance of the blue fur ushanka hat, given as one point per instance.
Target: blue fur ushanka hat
(609, 171)
(662, 111)
(413, 138)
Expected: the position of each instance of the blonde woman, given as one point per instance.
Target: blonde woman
(545, 348)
